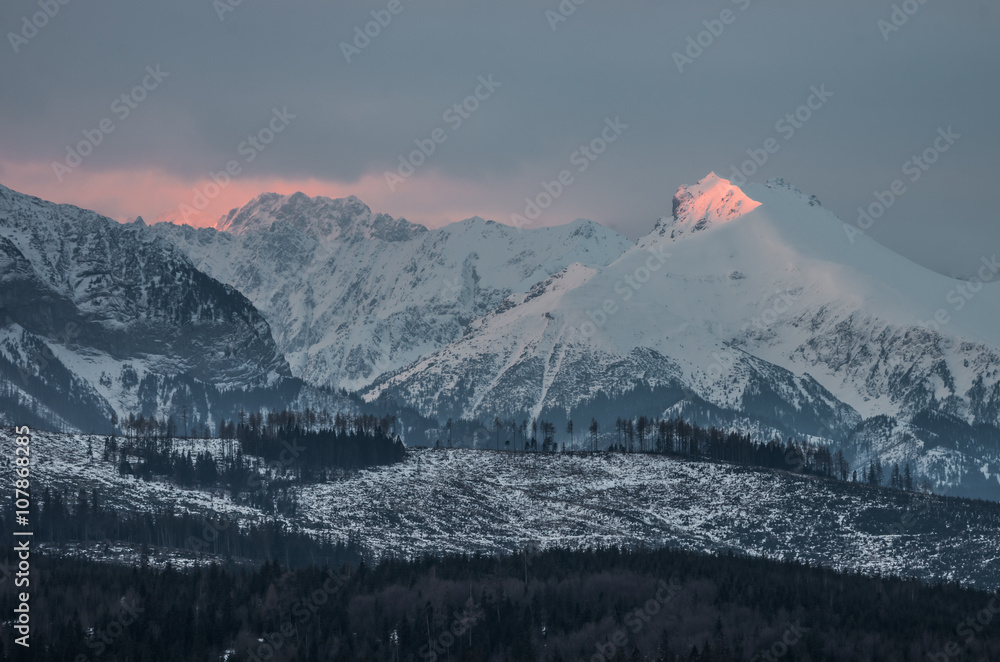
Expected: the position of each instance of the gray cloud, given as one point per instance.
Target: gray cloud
(557, 87)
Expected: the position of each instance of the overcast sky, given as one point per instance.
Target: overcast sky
(558, 83)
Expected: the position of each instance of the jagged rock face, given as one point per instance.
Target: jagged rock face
(352, 295)
(344, 219)
(96, 296)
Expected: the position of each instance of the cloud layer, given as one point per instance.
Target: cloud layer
(701, 87)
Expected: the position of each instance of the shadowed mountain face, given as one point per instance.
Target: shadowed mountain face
(92, 310)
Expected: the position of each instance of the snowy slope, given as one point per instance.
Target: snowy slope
(468, 501)
(757, 302)
(352, 295)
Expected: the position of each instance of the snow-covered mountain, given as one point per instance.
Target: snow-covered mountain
(352, 295)
(99, 317)
(753, 307)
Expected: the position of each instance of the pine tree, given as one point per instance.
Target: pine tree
(842, 467)
(664, 653)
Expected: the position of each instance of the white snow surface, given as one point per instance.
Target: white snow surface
(473, 500)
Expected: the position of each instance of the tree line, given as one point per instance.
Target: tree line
(678, 437)
(60, 518)
(307, 440)
(262, 455)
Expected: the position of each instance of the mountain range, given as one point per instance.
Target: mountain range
(352, 295)
(750, 308)
(99, 316)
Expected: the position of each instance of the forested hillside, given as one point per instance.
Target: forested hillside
(662, 605)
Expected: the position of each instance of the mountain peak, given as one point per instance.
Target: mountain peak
(712, 201)
(321, 217)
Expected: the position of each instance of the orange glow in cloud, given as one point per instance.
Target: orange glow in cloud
(426, 198)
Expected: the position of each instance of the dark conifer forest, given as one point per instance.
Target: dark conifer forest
(608, 604)
(305, 445)
(203, 587)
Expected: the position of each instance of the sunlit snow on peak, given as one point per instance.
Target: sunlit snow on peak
(711, 202)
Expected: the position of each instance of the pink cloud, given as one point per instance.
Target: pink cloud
(426, 197)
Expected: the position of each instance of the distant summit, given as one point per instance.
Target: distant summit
(711, 202)
(321, 217)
